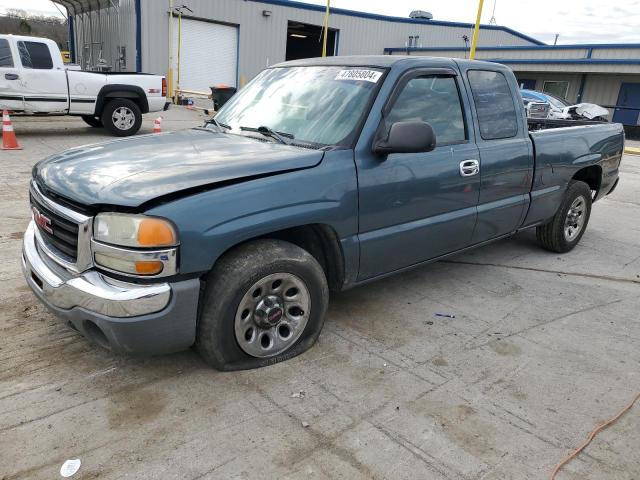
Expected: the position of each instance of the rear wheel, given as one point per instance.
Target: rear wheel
(264, 302)
(122, 117)
(566, 228)
(92, 121)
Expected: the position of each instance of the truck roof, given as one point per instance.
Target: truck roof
(26, 38)
(388, 61)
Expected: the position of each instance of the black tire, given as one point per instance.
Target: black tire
(92, 121)
(127, 106)
(551, 236)
(234, 276)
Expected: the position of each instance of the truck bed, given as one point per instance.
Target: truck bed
(536, 124)
(594, 148)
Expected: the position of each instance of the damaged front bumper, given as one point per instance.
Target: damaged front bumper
(121, 316)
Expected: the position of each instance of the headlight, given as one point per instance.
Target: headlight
(130, 266)
(134, 244)
(134, 230)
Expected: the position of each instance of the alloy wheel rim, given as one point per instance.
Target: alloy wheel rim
(574, 221)
(123, 118)
(272, 315)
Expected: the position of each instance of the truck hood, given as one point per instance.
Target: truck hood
(135, 170)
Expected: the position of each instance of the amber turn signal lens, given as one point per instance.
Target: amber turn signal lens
(148, 268)
(154, 233)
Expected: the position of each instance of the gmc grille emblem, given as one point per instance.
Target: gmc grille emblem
(43, 222)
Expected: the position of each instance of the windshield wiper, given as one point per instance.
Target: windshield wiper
(221, 126)
(267, 132)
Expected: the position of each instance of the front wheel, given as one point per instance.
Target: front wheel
(122, 117)
(566, 228)
(264, 302)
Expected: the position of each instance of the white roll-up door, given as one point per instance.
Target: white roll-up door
(208, 54)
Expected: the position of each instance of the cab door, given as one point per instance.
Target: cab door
(506, 153)
(44, 81)
(418, 206)
(10, 85)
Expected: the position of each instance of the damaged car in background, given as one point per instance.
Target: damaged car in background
(536, 109)
(560, 109)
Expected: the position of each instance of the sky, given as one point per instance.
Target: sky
(577, 21)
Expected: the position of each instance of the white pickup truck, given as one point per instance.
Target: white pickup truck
(34, 80)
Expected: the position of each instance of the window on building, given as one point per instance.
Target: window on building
(559, 89)
(35, 55)
(5, 54)
(496, 110)
(434, 100)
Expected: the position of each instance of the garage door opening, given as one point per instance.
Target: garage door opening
(202, 68)
(305, 41)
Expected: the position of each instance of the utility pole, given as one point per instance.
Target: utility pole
(179, 11)
(474, 42)
(170, 69)
(555, 42)
(326, 29)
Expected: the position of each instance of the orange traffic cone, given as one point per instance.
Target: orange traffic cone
(157, 125)
(9, 140)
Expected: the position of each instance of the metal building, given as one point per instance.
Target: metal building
(230, 41)
(605, 74)
(224, 41)
(102, 33)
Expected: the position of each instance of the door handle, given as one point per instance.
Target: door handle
(469, 168)
(11, 76)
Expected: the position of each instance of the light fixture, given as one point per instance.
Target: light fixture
(297, 35)
(266, 13)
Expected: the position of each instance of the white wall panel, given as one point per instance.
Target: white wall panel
(208, 54)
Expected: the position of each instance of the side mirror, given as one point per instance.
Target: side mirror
(405, 137)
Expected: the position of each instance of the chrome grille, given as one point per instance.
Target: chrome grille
(65, 234)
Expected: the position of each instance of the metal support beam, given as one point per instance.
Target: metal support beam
(138, 9)
(583, 80)
(476, 29)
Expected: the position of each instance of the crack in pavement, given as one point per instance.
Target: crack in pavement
(542, 324)
(433, 463)
(544, 270)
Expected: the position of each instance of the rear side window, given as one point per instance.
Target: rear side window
(496, 110)
(5, 54)
(35, 55)
(435, 100)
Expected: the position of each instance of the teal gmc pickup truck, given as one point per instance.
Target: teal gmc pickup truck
(319, 175)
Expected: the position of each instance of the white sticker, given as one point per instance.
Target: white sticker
(367, 75)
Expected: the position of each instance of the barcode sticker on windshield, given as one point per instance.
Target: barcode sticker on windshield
(367, 75)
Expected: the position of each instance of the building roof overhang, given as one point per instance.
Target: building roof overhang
(75, 7)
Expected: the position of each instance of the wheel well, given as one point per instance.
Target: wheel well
(592, 176)
(319, 240)
(322, 242)
(134, 97)
(133, 93)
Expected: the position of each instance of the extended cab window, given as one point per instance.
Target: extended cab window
(496, 110)
(5, 54)
(435, 100)
(35, 55)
